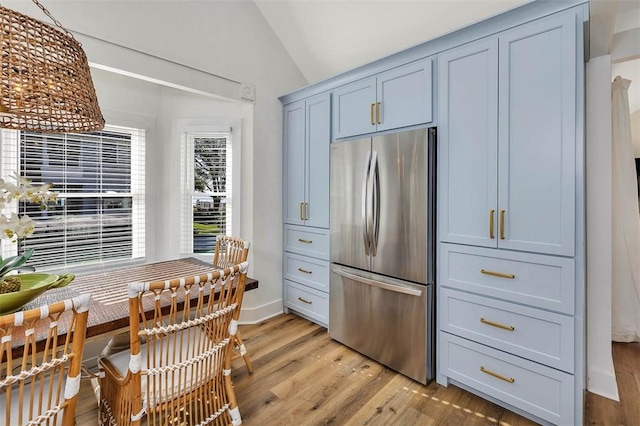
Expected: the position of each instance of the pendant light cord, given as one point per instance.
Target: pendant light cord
(55, 21)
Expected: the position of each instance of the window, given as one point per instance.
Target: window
(207, 190)
(98, 216)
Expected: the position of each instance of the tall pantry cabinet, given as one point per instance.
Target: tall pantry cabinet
(508, 123)
(307, 134)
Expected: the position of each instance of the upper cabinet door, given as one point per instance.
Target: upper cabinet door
(537, 136)
(294, 158)
(467, 144)
(404, 96)
(354, 109)
(318, 144)
(400, 97)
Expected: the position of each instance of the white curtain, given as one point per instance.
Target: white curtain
(626, 221)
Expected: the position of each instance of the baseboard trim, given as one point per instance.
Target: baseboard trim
(603, 383)
(260, 313)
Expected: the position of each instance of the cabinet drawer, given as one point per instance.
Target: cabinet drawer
(307, 270)
(537, 280)
(307, 301)
(307, 241)
(541, 336)
(542, 391)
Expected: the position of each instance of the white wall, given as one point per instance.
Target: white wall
(601, 377)
(229, 39)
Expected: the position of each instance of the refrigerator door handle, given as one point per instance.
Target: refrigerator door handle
(371, 208)
(365, 180)
(375, 204)
(398, 288)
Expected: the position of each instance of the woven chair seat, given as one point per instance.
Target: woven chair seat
(168, 381)
(44, 384)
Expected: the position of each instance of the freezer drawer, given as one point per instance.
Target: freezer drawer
(385, 319)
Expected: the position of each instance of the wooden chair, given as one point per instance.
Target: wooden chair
(181, 374)
(232, 251)
(41, 387)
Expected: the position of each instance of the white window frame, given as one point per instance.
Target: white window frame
(9, 163)
(232, 128)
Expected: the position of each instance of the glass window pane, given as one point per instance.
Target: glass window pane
(92, 219)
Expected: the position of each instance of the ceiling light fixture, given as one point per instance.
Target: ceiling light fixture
(46, 83)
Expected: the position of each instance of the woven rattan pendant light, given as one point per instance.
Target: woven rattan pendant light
(46, 82)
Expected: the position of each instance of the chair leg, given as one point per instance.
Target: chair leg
(243, 352)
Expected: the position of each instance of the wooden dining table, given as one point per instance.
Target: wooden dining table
(109, 309)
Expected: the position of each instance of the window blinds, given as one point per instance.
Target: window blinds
(99, 213)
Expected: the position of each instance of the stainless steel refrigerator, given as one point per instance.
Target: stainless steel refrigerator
(382, 249)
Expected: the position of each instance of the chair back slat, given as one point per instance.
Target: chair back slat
(230, 251)
(41, 386)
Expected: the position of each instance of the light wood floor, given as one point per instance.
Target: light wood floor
(302, 377)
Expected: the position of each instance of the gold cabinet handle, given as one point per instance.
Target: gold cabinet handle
(378, 112)
(305, 271)
(373, 123)
(496, 324)
(305, 241)
(308, 302)
(306, 211)
(496, 375)
(502, 224)
(301, 211)
(491, 213)
(497, 274)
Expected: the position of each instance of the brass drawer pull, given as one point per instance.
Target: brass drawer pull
(495, 324)
(305, 241)
(497, 274)
(305, 271)
(496, 375)
(491, 234)
(308, 302)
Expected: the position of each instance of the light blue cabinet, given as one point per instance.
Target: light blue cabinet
(307, 133)
(537, 136)
(396, 98)
(354, 109)
(318, 137)
(507, 161)
(468, 142)
(294, 159)
(404, 96)
(306, 162)
(507, 186)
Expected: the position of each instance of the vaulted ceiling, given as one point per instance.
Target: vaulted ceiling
(325, 37)
(328, 37)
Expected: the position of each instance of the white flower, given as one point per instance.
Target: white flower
(15, 226)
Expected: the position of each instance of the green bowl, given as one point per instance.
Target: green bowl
(32, 286)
